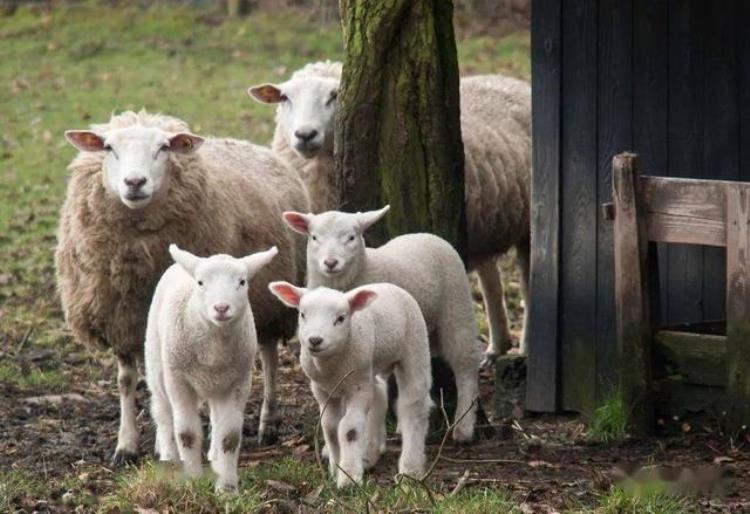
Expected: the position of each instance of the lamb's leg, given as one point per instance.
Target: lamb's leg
(161, 412)
(352, 431)
(413, 411)
(127, 437)
(330, 423)
(491, 285)
(226, 437)
(187, 424)
(376, 424)
(269, 356)
(523, 253)
(213, 445)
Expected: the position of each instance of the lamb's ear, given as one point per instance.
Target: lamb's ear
(298, 222)
(266, 93)
(85, 140)
(185, 142)
(366, 219)
(186, 260)
(256, 261)
(289, 295)
(360, 298)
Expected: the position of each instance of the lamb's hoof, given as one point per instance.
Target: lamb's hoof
(124, 457)
(268, 438)
(488, 359)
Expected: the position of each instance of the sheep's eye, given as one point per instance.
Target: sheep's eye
(332, 98)
(351, 238)
(107, 148)
(339, 320)
(200, 283)
(302, 315)
(284, 98)
(243, 282)
(164, 147)
(315, 238)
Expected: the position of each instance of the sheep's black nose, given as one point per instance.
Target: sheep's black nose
(306, 135)
(315, 341)
(135, 183)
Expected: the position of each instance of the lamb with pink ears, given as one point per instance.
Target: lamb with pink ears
(353, 340)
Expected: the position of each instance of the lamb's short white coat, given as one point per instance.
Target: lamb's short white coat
(200, 346)
(426, 266)
(350, 342)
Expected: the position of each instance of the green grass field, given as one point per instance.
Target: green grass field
(68, 67)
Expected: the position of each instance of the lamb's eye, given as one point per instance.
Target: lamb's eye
(284, 98)
(351, 238)
(164, 147)
(315, 238)
(200, 283)
(302, 315)
(339, 320)
(107, 148)
(243, 282)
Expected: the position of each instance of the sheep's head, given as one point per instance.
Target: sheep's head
(136, 162)
(324, 314)
(306, 111)
(221, 281)
(335, 241)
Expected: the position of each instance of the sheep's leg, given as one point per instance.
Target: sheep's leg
(127, 437)
(213, 445)
(226, 437)
(161, 412)
(352, 431)
(491, 285)
(187, 424)
(523, 253)
(413, 411)
(376, 424)
(269, 356)
(330, 418)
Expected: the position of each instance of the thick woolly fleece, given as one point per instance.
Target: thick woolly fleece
(227, 197)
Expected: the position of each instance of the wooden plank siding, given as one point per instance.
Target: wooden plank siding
(667, 79)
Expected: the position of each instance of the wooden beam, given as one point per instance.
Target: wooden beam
(738, 306)
(631, 295)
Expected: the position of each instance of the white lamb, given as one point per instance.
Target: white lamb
(496, 131)
(352, 340)
(200, 346)
(426, 266)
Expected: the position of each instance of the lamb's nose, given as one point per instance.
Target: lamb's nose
(306, 135)
(315, 341)
(135, 183)
(330, 263)
(221, 308)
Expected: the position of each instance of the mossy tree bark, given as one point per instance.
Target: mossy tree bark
(398, 133)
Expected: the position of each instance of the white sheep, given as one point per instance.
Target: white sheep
(352, 340)
(143, 181)
(200, 346)
(496, 131)
(426, 266)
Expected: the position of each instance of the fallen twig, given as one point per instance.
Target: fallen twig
(461, 483)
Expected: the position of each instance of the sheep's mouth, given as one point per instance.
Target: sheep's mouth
(334, 271)
(307, 150)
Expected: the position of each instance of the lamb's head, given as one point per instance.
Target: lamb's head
(221, 281)
(136, 161)
(335, 241)
(324, 314)
(306, 110)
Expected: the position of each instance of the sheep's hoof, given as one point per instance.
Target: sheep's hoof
(488, 359)
(228, 489)
(124, 457)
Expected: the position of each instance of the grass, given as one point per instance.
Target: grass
(609, 422)
(651, 499)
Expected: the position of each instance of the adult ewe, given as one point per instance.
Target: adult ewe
(496, 130)
(143, 181)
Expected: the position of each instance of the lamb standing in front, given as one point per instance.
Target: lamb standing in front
(352, 340)
(496, 131)
(200, 346)
(426, 266)
(140, 182)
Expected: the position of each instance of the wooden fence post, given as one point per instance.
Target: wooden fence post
(738, 307)
(631, 295)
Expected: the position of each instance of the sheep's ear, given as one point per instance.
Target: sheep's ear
(256, 261)
(287, 293)
(298, 222)
(186, 260)
(366, 219)
(266, 93)
(185, 142)
(85, 140)
(360, 298)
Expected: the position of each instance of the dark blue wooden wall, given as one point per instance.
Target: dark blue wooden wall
(668, 79)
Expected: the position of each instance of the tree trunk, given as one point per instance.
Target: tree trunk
(398, 133)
